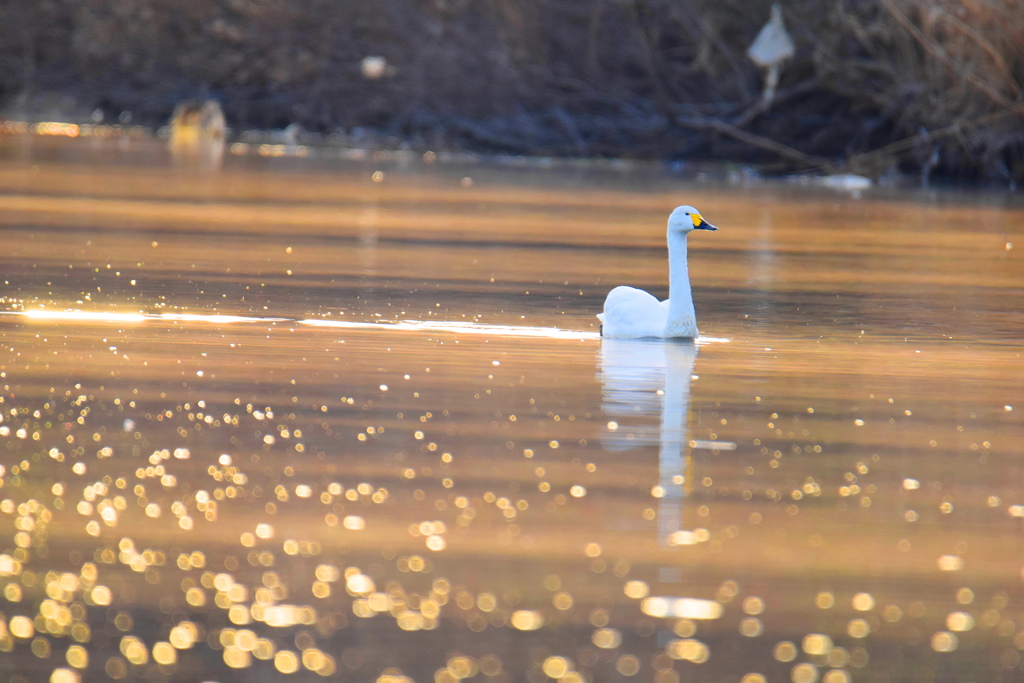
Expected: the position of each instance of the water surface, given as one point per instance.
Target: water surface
(303, 418)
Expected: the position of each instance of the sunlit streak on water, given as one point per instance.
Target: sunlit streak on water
(84, 316)
(113, 317)
(689, 608)
(456, 327)
(215, 319)
(405, 325)
(713, 445)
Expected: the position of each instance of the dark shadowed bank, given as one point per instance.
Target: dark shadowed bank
(921, 86)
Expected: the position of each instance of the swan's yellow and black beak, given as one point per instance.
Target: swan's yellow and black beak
(700, 224)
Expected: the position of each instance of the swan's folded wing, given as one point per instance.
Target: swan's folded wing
(633, 313)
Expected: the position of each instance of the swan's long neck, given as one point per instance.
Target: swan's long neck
(682, 321)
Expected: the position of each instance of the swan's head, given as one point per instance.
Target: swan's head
(686, 218)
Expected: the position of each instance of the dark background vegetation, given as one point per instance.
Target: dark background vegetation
(919, 85)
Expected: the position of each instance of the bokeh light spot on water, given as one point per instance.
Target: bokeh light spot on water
(164, 653)
(824, 600)
(607, 638)
(116, 668)
(184, 635)
(134, 650)
(753, 605)
(684, 628)
(354, 523)
(286, 662)
(77, 656)
(636, 589)
(816, 644)
(21, 627)
(556, 667)
(62, 675)
(950, 563)
(40, 647)
(944, 641)
(751, 627)
(804, 673)
(959, 621)
(237, 658)
(688, 649)
(627, 665)
(527, 620)
(858, 628)
(863, 602)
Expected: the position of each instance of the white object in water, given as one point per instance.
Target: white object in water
(846, 181)
(770, 49)
(374, 67)
(631, 313)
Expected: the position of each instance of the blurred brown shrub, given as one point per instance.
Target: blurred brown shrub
(923, 84)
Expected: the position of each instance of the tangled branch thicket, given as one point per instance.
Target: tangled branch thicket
(925, 85)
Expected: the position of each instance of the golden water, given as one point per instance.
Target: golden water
(294, 420)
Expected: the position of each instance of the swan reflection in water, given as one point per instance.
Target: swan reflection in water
(645, 378)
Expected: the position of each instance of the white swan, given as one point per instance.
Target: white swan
(631, 313)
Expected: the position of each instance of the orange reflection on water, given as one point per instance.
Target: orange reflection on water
(310, 421)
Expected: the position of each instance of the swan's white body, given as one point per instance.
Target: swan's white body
(631, 313)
